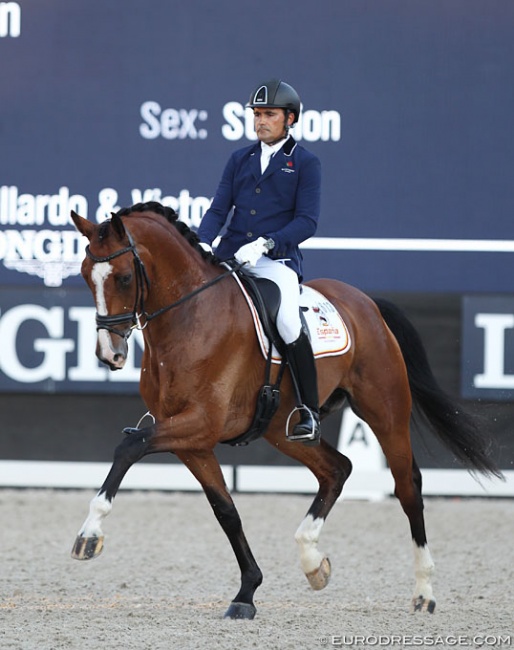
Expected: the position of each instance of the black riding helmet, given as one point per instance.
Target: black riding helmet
(276, 94)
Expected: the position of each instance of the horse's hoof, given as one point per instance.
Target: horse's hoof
(87, 548)
(241, 611)
(421, 604)
(318, 579)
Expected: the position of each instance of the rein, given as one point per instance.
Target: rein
(139, 313)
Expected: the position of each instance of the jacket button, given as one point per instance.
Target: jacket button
(249, 234)
(253, 211)
(258, 190)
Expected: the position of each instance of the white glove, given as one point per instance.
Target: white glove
(251, 253)
(206, 247)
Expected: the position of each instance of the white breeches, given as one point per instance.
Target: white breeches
(289, 324)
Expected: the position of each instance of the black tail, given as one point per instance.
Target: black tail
(457, 430)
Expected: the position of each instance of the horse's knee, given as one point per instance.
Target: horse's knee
(133, 447)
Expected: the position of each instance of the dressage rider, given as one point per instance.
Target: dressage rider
(273, 187)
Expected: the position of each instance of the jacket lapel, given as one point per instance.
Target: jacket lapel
(276, 162)
(255, 161)
(280, 158)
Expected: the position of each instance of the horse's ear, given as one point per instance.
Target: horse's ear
(117, 225)
(84, 226)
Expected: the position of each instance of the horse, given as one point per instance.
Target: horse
(202, 370)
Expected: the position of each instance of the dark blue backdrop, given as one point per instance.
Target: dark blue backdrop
(408, 104)
(416, 99)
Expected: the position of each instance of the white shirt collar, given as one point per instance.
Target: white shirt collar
(272, 149)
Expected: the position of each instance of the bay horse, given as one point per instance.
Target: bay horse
(202, 370)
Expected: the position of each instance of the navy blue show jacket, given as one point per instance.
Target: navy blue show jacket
(283, 203)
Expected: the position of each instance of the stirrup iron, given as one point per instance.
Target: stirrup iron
(308, 436)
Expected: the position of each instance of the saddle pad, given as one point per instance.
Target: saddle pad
(327, 330)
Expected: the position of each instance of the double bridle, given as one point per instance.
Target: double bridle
(139, 317)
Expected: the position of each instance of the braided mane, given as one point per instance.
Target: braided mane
(170, 215)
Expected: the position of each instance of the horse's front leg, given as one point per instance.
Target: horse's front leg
(176, 436)
(160, 437)
(206, 469)
(90, 539)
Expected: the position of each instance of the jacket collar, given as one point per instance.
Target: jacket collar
(289, 146)
(287, 149)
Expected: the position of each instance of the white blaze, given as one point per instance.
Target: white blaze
(99, 274)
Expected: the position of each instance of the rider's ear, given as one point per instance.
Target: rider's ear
(118, 226)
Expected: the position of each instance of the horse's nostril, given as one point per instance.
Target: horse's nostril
(117, 357)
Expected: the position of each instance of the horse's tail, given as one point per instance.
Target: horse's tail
(458, 430)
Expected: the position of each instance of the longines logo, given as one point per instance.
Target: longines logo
(37, 236)
(55, 345)
(488, 347)
(10, 20)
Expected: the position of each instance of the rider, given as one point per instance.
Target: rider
(274, 188)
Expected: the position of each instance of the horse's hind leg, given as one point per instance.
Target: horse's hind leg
(391, 426)
(408, 491)
(331, 470)
(381, 396)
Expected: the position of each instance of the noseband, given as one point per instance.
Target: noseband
(139, 314)
(109, 323)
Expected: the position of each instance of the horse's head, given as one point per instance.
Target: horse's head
(120, 280)
(116, 276)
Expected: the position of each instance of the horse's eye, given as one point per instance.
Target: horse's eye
(124, 280)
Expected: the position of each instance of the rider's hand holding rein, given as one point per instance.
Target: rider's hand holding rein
(251, 253)
(206, 247)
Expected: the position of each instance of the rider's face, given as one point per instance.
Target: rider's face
(270, 124)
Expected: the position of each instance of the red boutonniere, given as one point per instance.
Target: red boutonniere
(289, 163)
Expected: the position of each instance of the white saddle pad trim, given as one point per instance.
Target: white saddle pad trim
(328, 332)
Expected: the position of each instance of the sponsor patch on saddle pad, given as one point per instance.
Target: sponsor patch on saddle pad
(328, 332)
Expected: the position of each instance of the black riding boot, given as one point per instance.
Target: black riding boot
(301, 361)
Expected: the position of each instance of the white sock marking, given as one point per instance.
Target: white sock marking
(99, 508)
(423, 570)
(307, 537)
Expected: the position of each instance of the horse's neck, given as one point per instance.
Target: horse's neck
(188, 281)
(181, 271)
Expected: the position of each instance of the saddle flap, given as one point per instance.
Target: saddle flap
(265, 296)
(324, 324)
